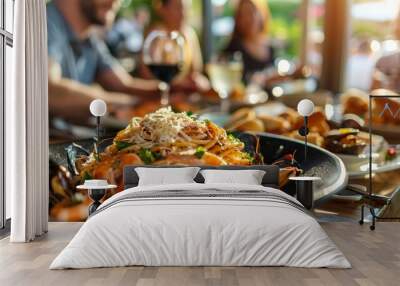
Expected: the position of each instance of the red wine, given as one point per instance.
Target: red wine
(164, 72)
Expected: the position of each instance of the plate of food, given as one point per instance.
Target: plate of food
(346, 140)
(277, 118)
(165, 137)
(385, 111)
(240, 96)
(352, 146)
(388, 161)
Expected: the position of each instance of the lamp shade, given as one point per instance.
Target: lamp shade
(98, 107)
(305, 107)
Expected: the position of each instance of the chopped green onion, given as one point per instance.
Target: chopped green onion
(86, 176)
(234, 139)
(249, 157)
(147, 156)
(200, 152)
(122, 145)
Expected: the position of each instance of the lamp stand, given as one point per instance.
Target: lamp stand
(98, 128)
(305, 137)
(96, 195)
(304, 132)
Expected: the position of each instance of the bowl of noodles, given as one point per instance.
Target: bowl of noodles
(165, 138)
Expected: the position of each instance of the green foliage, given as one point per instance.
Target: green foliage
(286, 26)
(363, 29)
(134, 4)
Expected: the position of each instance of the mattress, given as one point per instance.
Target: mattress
(201, 225)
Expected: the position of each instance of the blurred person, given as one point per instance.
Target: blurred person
(360, 62)
(126, 35)
(387, 68)
(314, 52)
(78, 59)
(250, 37)
(169, 15)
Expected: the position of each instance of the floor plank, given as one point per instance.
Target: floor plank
(375, 257)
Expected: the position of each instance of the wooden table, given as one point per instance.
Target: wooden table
(383, 184)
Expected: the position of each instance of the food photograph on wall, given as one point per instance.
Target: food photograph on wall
(188, 142)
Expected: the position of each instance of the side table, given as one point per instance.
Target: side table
(305, 190)
(97, 189)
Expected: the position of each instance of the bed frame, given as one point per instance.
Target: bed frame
(270, 179)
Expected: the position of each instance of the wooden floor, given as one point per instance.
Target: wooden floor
(375, 257)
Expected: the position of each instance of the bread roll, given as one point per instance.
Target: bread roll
(355, 101)
(312, 137)
(293, 117)
(239, 117)
(275, 124)
(317, 122)
(254, 125)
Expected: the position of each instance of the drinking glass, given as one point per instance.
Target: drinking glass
(163, 54)
(225, 74)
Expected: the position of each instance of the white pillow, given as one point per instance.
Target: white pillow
(248, 177)
(166, 176)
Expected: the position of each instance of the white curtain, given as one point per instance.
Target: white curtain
(27, 124)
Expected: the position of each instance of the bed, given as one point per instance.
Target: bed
(201, 224)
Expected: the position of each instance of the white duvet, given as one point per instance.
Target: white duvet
(202, 231)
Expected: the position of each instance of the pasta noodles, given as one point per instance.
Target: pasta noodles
(166, 138)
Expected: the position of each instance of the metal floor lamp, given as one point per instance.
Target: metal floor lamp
(370, 200)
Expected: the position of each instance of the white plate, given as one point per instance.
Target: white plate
(358, 165)
(363, 170)
(271, 109)
(379, 165)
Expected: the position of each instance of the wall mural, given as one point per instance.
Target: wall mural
(165, 106)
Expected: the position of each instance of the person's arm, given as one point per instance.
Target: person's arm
(118, 80)
(113, 77)
(70, 99)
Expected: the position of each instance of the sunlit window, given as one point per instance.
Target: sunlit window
(6, 43)
(372, 37)
(316, 13)
(285, 29)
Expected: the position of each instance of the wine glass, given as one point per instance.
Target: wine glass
(163, 54)
(225, 74)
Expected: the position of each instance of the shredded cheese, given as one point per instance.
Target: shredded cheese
(162, 127)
